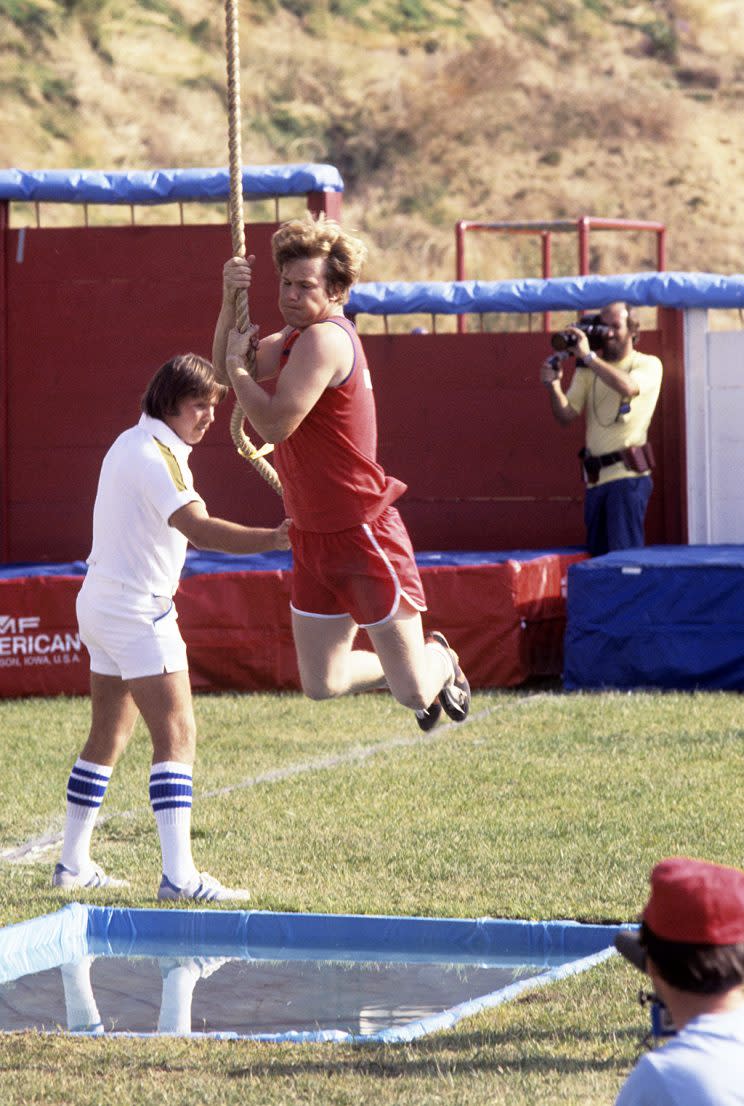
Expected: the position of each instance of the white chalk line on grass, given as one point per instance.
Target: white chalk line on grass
(36, 847)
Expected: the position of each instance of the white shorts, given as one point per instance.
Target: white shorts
(127, 633)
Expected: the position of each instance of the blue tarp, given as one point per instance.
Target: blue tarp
(660, 617)
(202, 563)
(43, 943)
(271, 935)
(162, 186)
(20, 570)
(680, 290)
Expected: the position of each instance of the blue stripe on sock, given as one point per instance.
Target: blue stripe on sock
(83, 788)
(78, 771)
(81, 802)
(86, 788)
(170, 790)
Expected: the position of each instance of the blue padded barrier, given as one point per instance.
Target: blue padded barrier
(198, 562)
(660, 617)
(679, 290)
(42, 943)
(270, 935)
(162, 186)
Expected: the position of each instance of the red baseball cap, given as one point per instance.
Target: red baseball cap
(696, 902)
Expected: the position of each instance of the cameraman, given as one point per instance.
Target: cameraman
(691, 944)
(616, 388)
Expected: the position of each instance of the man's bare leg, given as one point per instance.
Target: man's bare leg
(113, 715)
(416, 671)
(166, 706)
(329, 665)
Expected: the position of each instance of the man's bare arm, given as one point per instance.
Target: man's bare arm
(321, 356)
(222, 536)
(622, 383)
(551, 375)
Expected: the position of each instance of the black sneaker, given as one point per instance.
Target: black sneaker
(427, 719)
(454, 697)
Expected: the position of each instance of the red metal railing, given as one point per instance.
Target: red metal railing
(582, 226)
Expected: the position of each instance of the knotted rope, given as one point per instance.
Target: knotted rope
(242, 442)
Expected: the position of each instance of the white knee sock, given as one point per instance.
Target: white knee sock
(86, 789)
(170, 799)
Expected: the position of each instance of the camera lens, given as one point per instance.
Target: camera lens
(563, 340)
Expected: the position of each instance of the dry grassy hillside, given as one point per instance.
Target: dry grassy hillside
(433, 110)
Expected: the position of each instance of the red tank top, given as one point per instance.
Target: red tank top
(328, 465)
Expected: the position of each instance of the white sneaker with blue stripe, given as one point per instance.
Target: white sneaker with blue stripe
(202, 888)
(95, 877)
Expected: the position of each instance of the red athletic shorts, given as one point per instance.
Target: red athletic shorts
(363, 572)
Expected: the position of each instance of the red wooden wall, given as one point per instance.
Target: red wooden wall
(464, 421)
(87, 315)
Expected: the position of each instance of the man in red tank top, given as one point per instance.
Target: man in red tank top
(353, 564)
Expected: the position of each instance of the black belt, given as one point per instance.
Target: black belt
(592, 465)
(606, 459)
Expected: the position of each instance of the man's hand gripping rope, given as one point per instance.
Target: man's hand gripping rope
(243, 444)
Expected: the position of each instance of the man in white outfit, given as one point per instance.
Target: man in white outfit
(145, 514)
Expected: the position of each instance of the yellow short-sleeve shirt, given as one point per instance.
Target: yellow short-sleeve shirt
(608, 431)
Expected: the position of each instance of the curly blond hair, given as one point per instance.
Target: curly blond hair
(309, 237)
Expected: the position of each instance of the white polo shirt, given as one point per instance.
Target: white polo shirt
(144, 478)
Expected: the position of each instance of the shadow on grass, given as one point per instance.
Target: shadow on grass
(443, 1053)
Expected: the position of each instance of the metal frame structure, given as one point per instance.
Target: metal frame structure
(545, 229)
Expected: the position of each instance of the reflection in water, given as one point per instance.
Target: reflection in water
(80, 1002)
(186, 994)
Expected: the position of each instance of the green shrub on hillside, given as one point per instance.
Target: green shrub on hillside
(33, 19)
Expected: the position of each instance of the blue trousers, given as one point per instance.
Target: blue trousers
(614, 514)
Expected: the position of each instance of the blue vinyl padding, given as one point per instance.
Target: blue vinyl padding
(262, 934)
(22, 569)
(571, 293)
(161, 186)
(661, 617)
(54, 939)
(199, 562)
(42, 943)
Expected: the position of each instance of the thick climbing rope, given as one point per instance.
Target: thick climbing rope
(242, 442)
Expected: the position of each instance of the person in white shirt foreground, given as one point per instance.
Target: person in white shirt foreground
(145, 514)
(691, 944)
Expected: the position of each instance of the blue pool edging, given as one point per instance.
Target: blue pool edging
(259, 934)
(76, 930)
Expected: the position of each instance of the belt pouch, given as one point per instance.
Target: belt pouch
(639, 458)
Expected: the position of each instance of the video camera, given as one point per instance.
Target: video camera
(661, 1023)
(595, 330)
(627, 945)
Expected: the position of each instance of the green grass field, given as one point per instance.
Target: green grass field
(542, 806)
